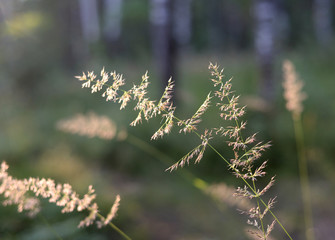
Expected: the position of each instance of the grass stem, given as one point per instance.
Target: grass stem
(304, 179)
(118, 230)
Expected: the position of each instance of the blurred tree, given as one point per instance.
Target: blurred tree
(282, 24)
(89, 17)
(182, 22)
(73, 49)
(264, 33)
(164, 45)
(236, 18)
(112, 18)
(214, 24)
(322, 10)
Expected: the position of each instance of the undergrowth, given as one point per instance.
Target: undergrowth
(244, 160)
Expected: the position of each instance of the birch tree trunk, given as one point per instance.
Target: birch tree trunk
(322, 14)
(264, 14)
(112, 15)
(112, 24)
(182, 22)
(164, 47)
(89, 20)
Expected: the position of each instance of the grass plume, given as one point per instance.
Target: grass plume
(246, 151)
(18, 192)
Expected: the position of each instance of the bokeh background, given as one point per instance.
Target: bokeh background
(44, 44)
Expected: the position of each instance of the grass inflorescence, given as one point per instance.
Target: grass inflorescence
(244, 160)
(246, 150)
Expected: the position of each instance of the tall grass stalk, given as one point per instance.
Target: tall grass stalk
(294, 96)
(118, 230)
(304, 179)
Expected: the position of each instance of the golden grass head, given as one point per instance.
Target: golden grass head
(15, 192)
(90, 125)
(293, 93)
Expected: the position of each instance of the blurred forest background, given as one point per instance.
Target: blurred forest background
(44, 44)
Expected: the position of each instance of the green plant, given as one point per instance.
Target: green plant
(294, 96)
(245, 150)
(242, 161)
(93, 125)
(16, 192)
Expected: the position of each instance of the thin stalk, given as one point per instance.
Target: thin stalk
(277, 220)
(125, 236)
(304, 179)
(166, 160)
(253, 181)
(245, 181)
(195, 181)
(251, 188)
(148, 148)
(259, 208)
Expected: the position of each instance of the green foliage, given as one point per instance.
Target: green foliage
(37, 90)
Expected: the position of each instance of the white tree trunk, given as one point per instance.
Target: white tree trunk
(112, 19)
(265, 15)
(264, 32)
(89, 20)
(164, 48)
(323, 21)
(182, 21)
(159, 12)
